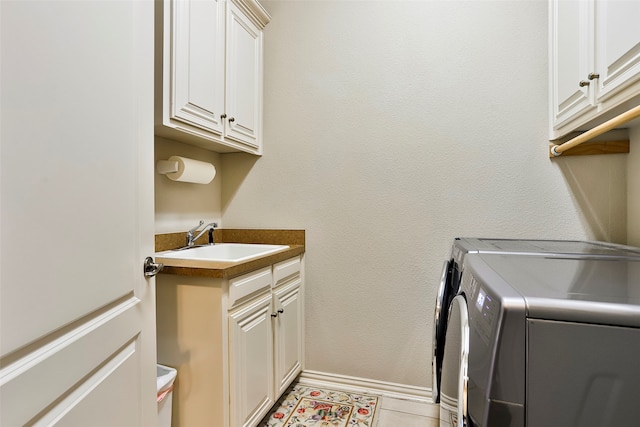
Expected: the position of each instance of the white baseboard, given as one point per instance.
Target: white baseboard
(364, 385)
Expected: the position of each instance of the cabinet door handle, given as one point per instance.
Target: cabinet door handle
(274, 314)
(583, 83)
(281, 311)
(223, 116)
(232, 119)
(592, 76)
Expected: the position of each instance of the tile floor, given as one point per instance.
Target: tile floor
(406, 413)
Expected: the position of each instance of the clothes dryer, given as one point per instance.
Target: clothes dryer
(538, 341)
(452, 269)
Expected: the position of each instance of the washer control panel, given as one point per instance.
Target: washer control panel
(483, 307)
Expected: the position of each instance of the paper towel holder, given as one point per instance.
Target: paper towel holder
(167, 166)
(182, 169)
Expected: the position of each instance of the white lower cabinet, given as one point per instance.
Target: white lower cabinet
(265, 335)
(237, 343)
(288, 335)
(251, 361)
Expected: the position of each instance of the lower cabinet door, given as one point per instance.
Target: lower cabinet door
(288, 335)
(251, 362)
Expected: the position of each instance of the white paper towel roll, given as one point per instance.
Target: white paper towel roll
(190, 170)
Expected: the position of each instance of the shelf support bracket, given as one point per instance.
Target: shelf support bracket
(608, 147)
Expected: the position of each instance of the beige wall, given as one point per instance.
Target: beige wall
(179, 205)
(390, 129)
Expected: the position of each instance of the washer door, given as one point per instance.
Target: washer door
(455, 366)
(439, 325)
(446, 291)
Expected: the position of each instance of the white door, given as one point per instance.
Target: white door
(77, 316)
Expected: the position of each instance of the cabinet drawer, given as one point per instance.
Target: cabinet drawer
(284, 270)
(249, 284)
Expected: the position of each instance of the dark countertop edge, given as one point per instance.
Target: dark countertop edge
(225, 270)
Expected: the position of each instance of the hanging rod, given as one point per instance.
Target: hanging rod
(558, 149)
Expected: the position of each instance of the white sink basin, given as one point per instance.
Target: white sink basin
(223, 252)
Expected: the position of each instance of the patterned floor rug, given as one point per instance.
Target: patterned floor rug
(303, 406)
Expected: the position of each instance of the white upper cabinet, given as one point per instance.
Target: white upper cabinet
(196, 66)
(617, 47)
(594, 60)
(244, 78)
(209, 69)
(571, 58)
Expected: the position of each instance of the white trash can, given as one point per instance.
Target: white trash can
(165, 377)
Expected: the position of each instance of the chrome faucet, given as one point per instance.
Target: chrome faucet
(210, 227)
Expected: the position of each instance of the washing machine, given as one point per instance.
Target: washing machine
(452, 269)
(543, 340)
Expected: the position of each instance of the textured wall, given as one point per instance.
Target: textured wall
(180, 205)
(391, 128)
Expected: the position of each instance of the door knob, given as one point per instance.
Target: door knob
(151, 268)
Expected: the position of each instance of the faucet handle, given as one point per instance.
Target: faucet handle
(190, 238)
(196, 227)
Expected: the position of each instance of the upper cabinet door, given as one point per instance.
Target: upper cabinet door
(617, 26)
(244, 78)
(595, 61)
(209, 73)
(197, 69)
(572, 55)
